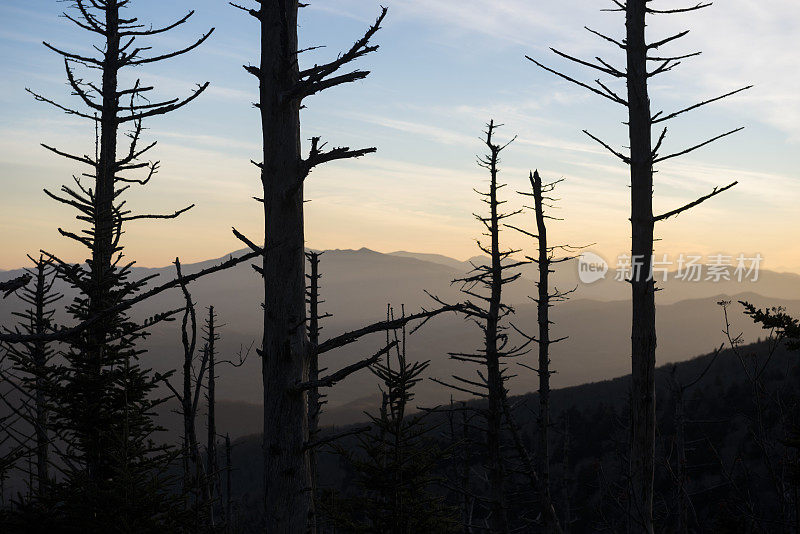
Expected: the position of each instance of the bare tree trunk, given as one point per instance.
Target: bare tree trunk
(212, 469)
(643, 328)
(287, 473)
(543, 319)
(643, 156)
(102, 280)
(288, 502)
(195, 481)
(314, 396)
(495, 382)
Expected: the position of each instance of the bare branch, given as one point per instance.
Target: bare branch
(382, 326)
(170, 216)
(715, 192)
(576, 82)
(695, 147)
(331, 379)
(703, 103)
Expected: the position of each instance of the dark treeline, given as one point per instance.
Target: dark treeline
(709, 445)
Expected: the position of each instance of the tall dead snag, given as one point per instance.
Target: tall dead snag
(643, 155)
(493, 277)
(103, 396)
(284, 350)
(194, 479)
(489, 316)
(315, 399)
(212, 465)
(545, 260)
(213, 483)
(31, 361)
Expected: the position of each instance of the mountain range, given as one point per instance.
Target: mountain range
(358, 284)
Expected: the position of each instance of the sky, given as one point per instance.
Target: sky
(443, 70)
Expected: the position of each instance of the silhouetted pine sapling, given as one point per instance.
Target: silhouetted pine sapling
(461, 444)
(31, 365)
(782, 329)
(395, 459)
(785, 327)
(642, 157)
(284, 350)
(104, 397)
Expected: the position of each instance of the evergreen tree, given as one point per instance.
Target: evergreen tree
(115, 476)
(395, 460)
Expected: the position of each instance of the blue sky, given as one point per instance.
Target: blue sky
(445, 67)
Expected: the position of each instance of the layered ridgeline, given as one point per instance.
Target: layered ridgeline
(729, 478)
(358, 284)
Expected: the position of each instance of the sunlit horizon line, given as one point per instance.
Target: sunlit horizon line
(608, 257)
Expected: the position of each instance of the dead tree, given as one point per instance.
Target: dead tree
(103, 375)
(31, 361)
(195, 479)
(213, 482)
(284, 348)
(642, 157)
(283, 87)
(545, 260)
(212, 468)
(315, 399)
(489, 315)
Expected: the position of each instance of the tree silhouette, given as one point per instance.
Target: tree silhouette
(315, 398)
(285, 348)
(396, 457)
(489, 316)
(643, 155)
(31, 363)
(103, 394)
(545, 261)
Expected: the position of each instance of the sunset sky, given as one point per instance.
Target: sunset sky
(445, 67)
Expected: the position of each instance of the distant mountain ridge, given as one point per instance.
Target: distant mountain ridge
(358, 284)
